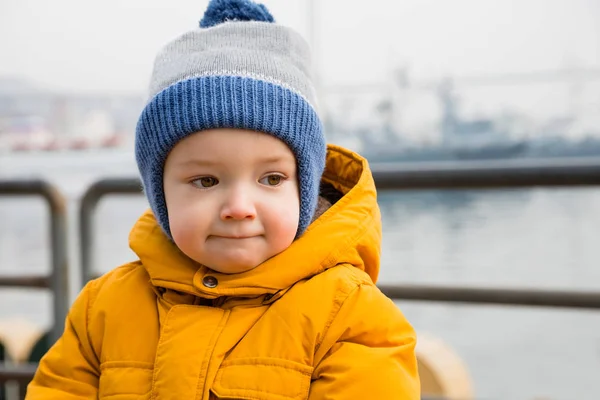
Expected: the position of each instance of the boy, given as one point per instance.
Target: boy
(249, 284)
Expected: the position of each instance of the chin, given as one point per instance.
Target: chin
(236, 267)
(233, 270)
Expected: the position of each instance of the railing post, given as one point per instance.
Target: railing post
(86, 215)
(59, 279)
(87, 207)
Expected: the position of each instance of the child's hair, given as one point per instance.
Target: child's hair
(237, 70)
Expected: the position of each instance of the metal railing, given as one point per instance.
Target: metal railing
(88, 204)
(574, 172)
(579, 172)
(481, 296)
(470, 175)
(17, 373)
(20, 375)
(58, 280)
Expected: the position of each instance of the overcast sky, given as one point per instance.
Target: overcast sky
(109, 45)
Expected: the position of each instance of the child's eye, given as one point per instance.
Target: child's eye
(272, 180)
(205, 181)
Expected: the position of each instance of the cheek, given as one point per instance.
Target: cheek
(184, 219)
(181, 227)
(285, 216)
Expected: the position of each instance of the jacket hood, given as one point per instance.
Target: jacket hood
(349, 232)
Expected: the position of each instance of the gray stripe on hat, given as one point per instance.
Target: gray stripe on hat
(259, 50)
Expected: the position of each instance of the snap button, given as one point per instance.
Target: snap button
(210, 281)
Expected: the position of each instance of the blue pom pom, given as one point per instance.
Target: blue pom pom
(220, 11)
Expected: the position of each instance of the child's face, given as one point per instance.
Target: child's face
(232, 198)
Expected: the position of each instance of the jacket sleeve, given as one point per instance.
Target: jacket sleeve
(70, 369)
(367, 353)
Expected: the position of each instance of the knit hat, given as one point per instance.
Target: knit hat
(239, 69)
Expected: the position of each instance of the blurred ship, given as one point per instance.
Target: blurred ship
(492, 137)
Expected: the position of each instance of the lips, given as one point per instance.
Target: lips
(234, 236)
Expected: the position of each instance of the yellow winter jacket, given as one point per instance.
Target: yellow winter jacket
(308, 323)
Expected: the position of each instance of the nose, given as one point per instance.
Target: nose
(238, 205)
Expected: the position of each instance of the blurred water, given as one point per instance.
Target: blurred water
(522, 238)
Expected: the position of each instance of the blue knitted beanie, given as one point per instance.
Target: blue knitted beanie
(239, 69)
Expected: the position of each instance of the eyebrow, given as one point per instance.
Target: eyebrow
(196, 161)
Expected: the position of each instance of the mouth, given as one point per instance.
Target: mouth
(234, 236)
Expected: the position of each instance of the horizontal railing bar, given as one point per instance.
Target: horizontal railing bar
(512, 297)
(442, 175)
(40, 187)
(509, 297)
(26, 281)
(112, 186)
(22, 373)
(488, 174)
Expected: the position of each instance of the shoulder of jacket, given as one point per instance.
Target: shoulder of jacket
(344, 278)
(328, 290)
(123, 279)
